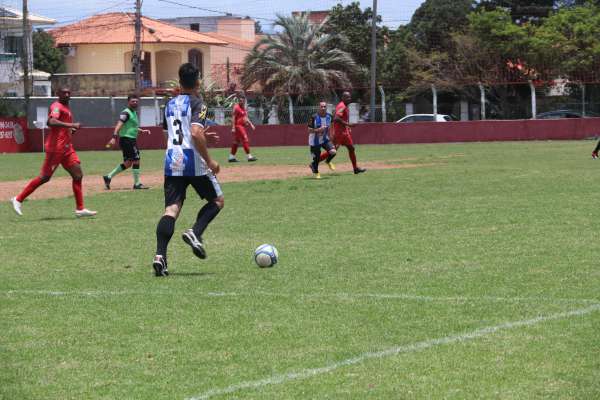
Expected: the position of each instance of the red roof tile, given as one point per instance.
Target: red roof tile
(233, 40)
(120, 28)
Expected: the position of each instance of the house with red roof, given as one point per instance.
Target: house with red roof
(99, 51)
(227, 61)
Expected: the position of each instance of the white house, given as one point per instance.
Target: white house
(11, 50)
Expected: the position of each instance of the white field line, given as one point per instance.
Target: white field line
(393, 351)
(392, 296)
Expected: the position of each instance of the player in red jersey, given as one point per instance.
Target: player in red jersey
(341, 131)
(239, 120)
(59, 151)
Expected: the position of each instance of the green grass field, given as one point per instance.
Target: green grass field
(473, 276)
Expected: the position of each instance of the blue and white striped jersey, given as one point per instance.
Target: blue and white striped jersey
(317, 121)
(182, 158)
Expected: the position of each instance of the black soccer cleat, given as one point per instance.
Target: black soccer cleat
(359, 170)
(251, 159)
(106, 182)
(140, 186)
(195, 243)
(233, 160)
(160, 266)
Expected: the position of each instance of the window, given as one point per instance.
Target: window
(13, 44)
(195, 27)
(424, 118)
(195, 58)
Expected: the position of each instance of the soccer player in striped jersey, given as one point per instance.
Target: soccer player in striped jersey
(187, 162)
(318, 138)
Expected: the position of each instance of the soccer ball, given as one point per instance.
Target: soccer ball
(266, 255)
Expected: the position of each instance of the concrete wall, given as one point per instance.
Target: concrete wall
(240, 28)
(98, 58)
(95, 84)
(376, 133)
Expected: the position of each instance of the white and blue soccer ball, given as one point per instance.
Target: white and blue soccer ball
(266, 255)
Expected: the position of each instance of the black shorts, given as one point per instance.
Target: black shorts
(129, 149)
(175, 187)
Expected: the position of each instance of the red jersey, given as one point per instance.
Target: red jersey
(59, 138)
(239, 115)
(341, 112)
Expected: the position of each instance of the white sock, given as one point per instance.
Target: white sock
(231, 156)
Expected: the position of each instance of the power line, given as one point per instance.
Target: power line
(210, 10)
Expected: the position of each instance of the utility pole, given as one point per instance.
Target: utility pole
(137, 56)
(25, 58)
(373, 61)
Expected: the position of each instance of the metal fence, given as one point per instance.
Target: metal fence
(517, 101)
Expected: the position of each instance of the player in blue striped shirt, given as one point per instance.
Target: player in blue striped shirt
(318, 138)
(187, 162)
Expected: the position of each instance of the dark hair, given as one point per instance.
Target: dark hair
(188, 75)
(133, 96)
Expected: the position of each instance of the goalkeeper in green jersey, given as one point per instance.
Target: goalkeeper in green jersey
(127, 130)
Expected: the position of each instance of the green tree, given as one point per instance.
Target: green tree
(46, 57)
(568, 43)
(355, 25)
(394, 69)
(298, 60)
(522, 11)
(435, 20)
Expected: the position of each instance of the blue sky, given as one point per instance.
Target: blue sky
(393, 12)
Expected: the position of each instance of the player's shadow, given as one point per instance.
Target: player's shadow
(323, 178)
(122, 189)
(186, 274)
(57, 218)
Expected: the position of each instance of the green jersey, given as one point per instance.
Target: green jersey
(130, 122)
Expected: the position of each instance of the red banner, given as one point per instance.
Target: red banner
(13, 135)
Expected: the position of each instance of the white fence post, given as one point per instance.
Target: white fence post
(220, 116)
(157, 118)
(435, 102)
(291, 109)
(273, 117)
(353, 116)
(383, 109)
(533, 101)
(482, 101)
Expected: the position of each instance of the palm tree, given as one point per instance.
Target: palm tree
(298, 60)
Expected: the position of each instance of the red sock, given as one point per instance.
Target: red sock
(352, 155)
(78, 192)
(246, 147)
(30, 188)
(324, 156)
(234, 148)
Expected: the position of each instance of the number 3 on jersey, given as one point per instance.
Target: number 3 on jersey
(178, 140)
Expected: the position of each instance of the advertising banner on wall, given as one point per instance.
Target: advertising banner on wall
(13, 135)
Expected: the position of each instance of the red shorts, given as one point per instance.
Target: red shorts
(343, 139)
(67, 159)
(240, 135)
